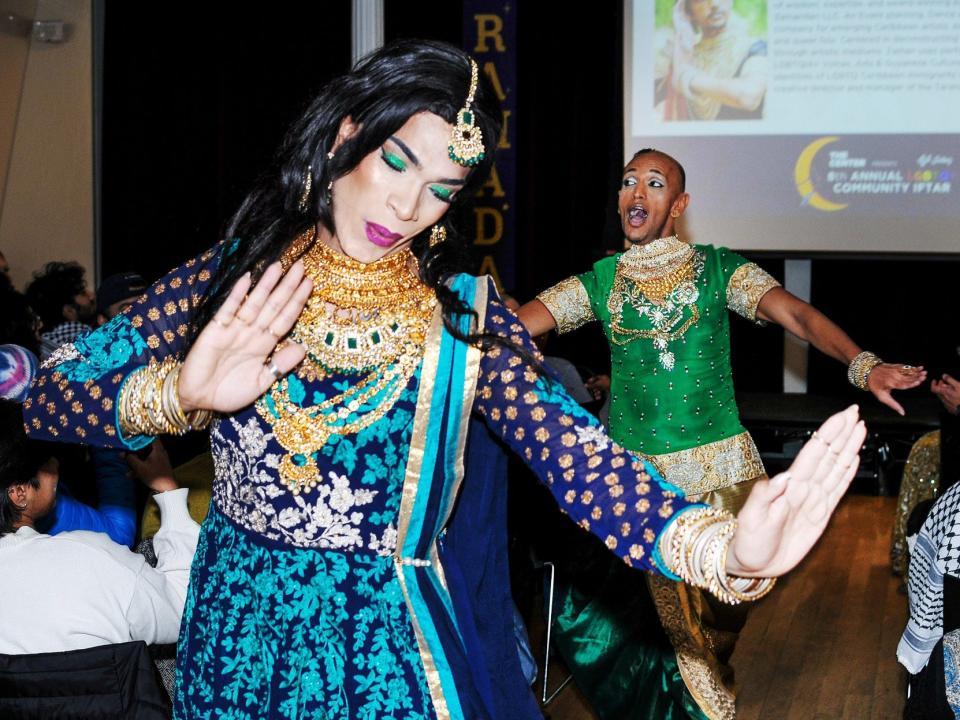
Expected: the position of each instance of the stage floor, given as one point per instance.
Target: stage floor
(822, 645)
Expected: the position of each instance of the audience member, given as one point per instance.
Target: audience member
(59, 294)
(117, 293)
(80, 589)
(19, 324)
(930, 646)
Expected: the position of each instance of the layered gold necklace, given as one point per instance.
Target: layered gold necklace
(367, 320)
(658, 280)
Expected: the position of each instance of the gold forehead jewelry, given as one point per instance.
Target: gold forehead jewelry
(466, 140)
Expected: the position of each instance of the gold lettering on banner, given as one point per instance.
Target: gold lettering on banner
(489, 27)
(491, 71)
(489, 267)
(481, 214)
(493, 184)
(504, 142)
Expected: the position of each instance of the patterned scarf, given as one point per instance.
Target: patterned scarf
(936, 553)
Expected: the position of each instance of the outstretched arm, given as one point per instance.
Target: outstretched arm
(808, 323)
(536, 318)
(623, 499)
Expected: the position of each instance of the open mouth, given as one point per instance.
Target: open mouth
(636, 216)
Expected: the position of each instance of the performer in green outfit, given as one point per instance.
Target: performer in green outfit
(663, 304)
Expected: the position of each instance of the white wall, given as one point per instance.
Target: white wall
(47, 211)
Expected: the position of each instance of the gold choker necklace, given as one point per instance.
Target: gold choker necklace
(362, 315)
(368, 320)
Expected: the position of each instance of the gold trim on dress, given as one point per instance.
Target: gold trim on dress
(747, 286)
(471, 375)
(411, 483)
(569, 304)
(680, 608)
(712, 466)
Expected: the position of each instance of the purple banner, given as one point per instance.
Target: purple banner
(489, 34)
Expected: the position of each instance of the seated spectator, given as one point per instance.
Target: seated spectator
(117, 293)
(80, 589)
(19, 324)
(115, 510)
(59, 294)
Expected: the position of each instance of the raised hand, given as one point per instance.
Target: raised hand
(886, 377)
(948, 390)
(235, 358)
(784, 516)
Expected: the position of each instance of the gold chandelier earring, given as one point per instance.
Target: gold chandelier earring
(438, 234)
(307, 187)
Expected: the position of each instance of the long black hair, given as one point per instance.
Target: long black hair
(380, 94)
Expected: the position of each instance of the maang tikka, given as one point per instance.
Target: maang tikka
(466, 140)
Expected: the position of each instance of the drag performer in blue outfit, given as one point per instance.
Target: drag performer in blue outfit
(352, 564)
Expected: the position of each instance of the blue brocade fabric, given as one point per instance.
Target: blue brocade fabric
(271, 632)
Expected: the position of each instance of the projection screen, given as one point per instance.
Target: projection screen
(803, 125)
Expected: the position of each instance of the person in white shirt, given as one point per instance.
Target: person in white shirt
(80, 589)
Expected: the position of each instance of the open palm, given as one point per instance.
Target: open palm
(235, 359)
(784, 516)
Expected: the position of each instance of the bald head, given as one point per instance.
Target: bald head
(669, 159)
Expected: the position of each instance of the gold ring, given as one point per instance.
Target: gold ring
(220, 322)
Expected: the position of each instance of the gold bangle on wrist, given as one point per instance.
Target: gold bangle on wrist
(695, 546)
(860, 367)
(149, 403)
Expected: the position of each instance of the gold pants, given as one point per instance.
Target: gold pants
(703, 630)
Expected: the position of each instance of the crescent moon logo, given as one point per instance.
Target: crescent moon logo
(801, 175)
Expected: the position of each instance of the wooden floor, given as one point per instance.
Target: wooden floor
(822, 645)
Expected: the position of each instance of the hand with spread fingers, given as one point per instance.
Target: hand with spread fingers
(236, 358)
(784, 516)
(887, 377)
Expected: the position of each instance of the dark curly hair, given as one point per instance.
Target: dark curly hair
(56, 285)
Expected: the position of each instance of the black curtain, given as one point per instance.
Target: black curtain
(194, 104)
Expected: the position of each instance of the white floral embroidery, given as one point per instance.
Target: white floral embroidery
(592, 434)
(386, 544)
(246, 488)
(61, 355)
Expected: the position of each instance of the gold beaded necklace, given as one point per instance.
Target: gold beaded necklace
(659, 281)
(360, 319)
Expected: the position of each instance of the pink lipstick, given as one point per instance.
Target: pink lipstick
(381, 236)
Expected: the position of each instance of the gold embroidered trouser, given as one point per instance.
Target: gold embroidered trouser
(703, 630)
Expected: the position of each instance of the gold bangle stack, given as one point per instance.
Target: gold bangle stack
(859, 369)
(695, 547)
(149, 403)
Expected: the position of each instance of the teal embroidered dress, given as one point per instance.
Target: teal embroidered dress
(379, 594)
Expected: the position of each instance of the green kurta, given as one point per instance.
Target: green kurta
(672, 400)
(671, 383)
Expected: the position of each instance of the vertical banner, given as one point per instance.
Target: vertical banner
(489, 34)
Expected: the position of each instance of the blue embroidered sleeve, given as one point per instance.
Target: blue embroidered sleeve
(618, 497)
(74, 396)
